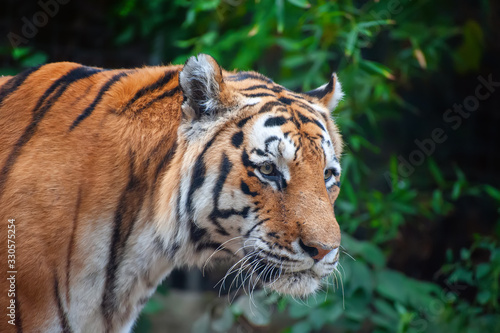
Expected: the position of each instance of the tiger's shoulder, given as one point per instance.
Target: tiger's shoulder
(80, 118)
(68, 102)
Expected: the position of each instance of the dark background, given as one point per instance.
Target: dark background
(401, 72)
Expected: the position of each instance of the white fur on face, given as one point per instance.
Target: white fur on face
(269, 145)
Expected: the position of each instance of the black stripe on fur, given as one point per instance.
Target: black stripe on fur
(45, 102)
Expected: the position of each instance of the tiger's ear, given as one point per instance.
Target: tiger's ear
(205, 93)
(330, 94)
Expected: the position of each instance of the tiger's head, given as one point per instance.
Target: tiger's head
(260, 174)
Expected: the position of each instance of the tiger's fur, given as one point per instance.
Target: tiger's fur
(115, 177)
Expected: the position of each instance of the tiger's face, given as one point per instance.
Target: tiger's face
(261, 175)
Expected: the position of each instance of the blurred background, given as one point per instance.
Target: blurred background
(420, 197)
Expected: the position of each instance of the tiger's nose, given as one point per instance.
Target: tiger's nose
(315, 251)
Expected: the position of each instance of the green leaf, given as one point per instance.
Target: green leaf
(126, 7)
(282, 304)
(495, 256)
(382, 321)
(357, 306)
(483, 297)
(34, 60)
(190, 18)
(437, 201)
(351, 42)
(361, 277)
(391, 284)
(462, 274)
(421, 293)
(366, 250)
(482, 270)
(20, 52)
(289, 44)
(465, 254)
(386, 309)
(350, 193)
(376, 23)
(436, 172)
(333, 313)
(376, 68)
(125, 36)
(455, 193)
(300, 3)
(280, 15)
(492, 192)
(318, 317)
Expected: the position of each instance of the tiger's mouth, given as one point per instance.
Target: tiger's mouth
(296, 276)
(299, 284)
(291, 280)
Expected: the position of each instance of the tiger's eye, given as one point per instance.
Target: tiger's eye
(266, 169)
(328, 174)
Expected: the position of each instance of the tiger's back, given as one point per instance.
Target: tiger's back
(112, 178)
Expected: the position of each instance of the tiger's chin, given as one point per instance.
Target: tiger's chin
(299, 284)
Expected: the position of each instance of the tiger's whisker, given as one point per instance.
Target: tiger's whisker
(220, 248)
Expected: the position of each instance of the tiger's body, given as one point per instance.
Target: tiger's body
(115, 177)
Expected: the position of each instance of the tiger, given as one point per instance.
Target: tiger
(110, 179)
